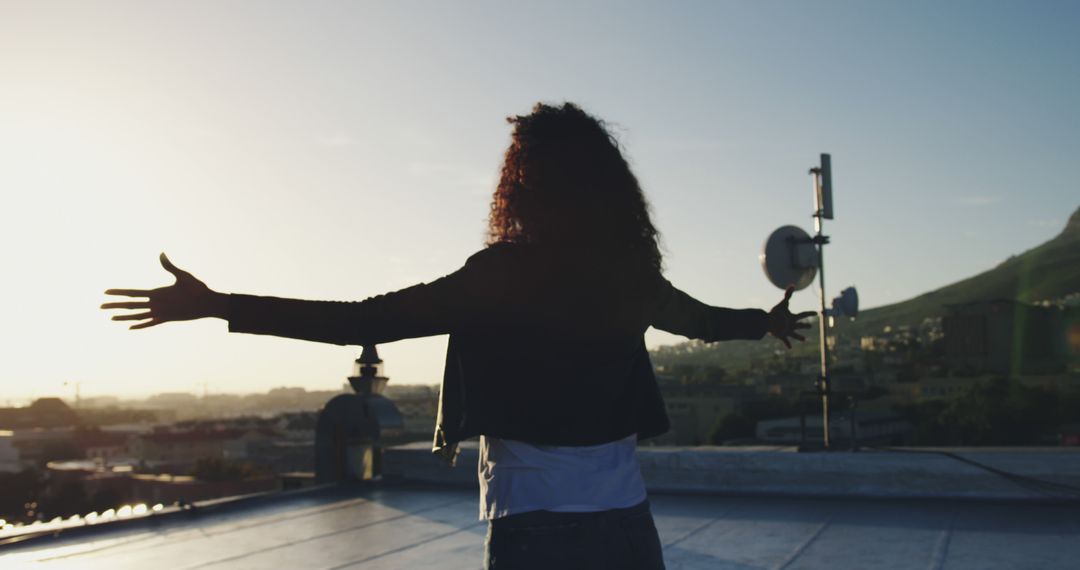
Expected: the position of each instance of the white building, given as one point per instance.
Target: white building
(9, 454)
(871, 427)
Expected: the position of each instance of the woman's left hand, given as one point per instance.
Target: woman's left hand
(187, 299)
(783, 324)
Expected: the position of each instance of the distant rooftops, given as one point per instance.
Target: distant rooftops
(161, 437)
(42, 413)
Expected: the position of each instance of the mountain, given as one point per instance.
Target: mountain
(1046, 272)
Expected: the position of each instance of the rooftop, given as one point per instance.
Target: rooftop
(412, 526)
(736, 508)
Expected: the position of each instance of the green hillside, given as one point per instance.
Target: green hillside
(1048, 271)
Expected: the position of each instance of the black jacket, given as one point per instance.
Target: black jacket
(544, 347)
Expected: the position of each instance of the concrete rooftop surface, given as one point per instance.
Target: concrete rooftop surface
(411, 526)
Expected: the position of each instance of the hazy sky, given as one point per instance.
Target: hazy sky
(337, 150)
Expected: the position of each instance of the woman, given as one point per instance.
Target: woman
(546, 360)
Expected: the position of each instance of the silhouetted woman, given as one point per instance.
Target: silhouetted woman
(546, 359)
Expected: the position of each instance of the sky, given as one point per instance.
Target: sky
(338, 150)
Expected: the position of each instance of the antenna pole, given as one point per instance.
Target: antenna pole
(78, 385)
(820, 240)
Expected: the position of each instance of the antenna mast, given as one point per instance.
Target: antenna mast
(822, 180)
(792, 258)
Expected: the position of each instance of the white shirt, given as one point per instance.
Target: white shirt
(517, 477)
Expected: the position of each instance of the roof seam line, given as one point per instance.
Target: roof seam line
(406, 547)
(320, 536)
(805, 544)
(941, 548)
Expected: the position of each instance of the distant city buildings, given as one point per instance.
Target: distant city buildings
(42, 413)
(697, 398)
(868, 427)
(897, 366)
(1008, 337)
(182, 449)
(103, 446)
(10, 461)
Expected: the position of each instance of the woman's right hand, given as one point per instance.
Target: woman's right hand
(784, 325)
(185, 300)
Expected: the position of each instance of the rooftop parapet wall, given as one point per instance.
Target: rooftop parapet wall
(915, 473)
(784, 471)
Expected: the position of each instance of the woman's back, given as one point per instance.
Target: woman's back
(551, 350)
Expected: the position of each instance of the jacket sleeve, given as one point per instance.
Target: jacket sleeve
(421, 310)
(676, 312)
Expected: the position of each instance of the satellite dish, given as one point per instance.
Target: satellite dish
(790, 258)
(847, 304)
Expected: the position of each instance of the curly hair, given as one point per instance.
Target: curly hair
(564, 182)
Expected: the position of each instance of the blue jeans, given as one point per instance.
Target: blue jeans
(625, 539)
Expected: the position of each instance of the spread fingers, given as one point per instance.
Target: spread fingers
(129, 292)
(127, 305)
(149, 323)
(133, 317)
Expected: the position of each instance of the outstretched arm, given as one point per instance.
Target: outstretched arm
(679, 313)
(420, 310)
(185, 300)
